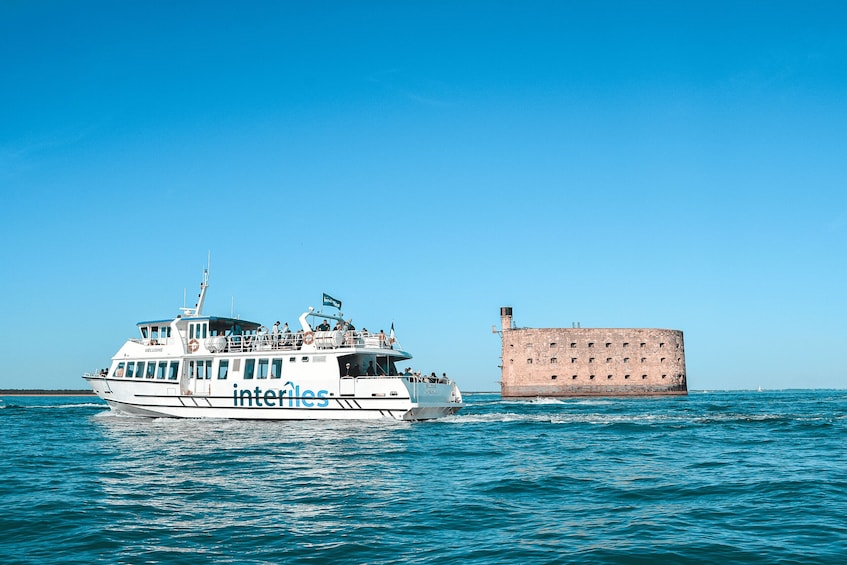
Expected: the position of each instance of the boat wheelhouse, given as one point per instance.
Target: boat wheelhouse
(198, 366)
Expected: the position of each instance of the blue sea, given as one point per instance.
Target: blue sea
(714, 477)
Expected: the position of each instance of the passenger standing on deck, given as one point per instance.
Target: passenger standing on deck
(275, 334)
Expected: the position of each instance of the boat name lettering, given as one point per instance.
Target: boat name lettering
(153, 349)
(291, 396)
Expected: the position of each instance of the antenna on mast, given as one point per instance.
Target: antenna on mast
(198, 308)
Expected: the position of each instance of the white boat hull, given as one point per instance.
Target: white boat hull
(414, 401)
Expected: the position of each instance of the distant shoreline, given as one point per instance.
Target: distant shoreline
(44, 392)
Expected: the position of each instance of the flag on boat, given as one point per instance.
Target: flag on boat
(330, 301)
(391, 334)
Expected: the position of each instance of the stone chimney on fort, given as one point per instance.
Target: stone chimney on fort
(506, 318)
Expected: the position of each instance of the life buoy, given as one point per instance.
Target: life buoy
(193, 345)
(308, 338)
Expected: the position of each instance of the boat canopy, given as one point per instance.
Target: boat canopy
(217, 324)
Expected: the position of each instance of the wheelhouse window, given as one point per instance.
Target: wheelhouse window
(119, 372)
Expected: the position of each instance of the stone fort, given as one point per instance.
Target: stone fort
(590, 361)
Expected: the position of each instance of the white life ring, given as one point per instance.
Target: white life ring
(193, 345)
(308, 338)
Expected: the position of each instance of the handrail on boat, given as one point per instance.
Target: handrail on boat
(294, 341)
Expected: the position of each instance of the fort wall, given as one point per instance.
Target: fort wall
(591, 361)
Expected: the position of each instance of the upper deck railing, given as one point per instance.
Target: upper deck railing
(294, 341)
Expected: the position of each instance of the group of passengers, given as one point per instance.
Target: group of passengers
(281, 335)
(431, 378)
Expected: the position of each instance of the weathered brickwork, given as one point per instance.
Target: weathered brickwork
(591, 361)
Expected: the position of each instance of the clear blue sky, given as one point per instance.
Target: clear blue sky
(622, 164)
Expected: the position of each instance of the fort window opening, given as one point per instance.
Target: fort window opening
(573, 378)
(643, 344)
(626, 377)
(553, 378)
(591, 377)
(608, 377)
(590, 344)
(573, 359)
(625, 344)
(643, 359)
(529, 361)
(608, 359)
(553, 360)
(626, 359)
(553, 344)
(573, 344)
(643, 377)
(661, 345)
(591, 359)
(608, 345)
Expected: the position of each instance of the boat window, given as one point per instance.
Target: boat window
(223, 369)
(249, 368)
(163, 367)
(172, 373)
(144, 332)
(151, 370)
(292, 359)
(130, 369)
(140, 373)
(205, 330)
(119, 372)
(154, 332)
(276, 369)
(304, 359)
(263, 369)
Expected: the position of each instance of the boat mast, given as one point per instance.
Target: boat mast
(198, 308)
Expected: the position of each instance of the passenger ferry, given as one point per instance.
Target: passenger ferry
(198, 366)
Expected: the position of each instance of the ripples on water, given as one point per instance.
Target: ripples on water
(712, 477)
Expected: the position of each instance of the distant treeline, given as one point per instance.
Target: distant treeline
(44, 392)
